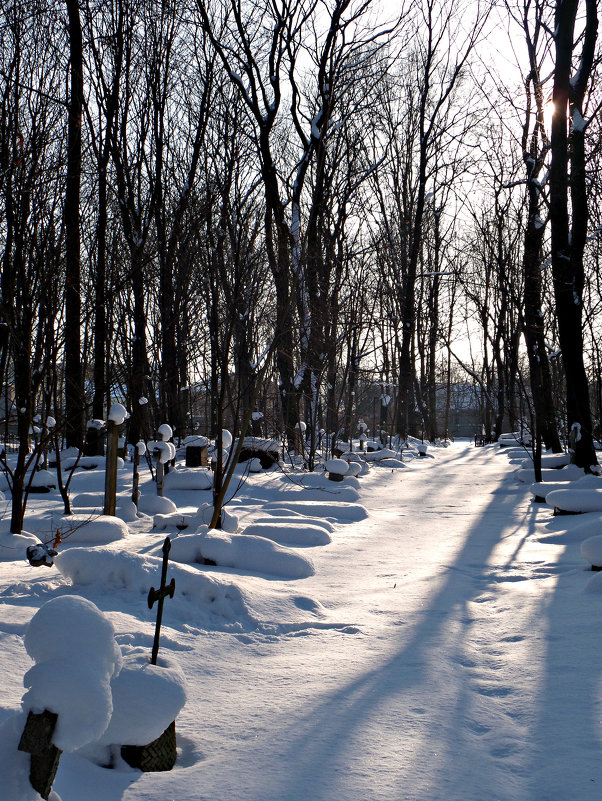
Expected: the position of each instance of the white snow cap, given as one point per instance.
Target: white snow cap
(337, 466)
(96, 424)
(143, 401)
(165, 432)
(73, 645)
(117, 414)
(226, 439)
(166, 450)
(141, 447)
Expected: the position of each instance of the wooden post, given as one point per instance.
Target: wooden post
(111, 468)
(36, 740)
(136, 476)
(160, 477)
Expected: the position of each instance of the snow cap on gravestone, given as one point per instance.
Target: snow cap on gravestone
(165, 432)
(117, 414)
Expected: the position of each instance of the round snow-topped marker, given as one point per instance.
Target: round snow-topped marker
(143, 401)
(301, 426)
(226, 439)
(337, 466)
(50, 422)
(165, 432)
(141, 447)
(117, 414)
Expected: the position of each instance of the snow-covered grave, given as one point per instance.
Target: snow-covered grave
(337, 469)
(363, 639)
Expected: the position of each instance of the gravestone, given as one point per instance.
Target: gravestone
(36, 740)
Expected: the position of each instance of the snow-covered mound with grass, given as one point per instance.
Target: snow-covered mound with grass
(14, 546)
(38, 481)
(549, 461)
(591, 550)
(318, 485)
(188, 478)
(93, 503)
(340, 511)
(134, 573)
(92, 529)
(541, 489)
(242, 552)
(156, 505)
(378, 456)
(576, 500)
(569, 473)
(297, 533)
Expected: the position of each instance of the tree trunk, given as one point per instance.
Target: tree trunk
(74, 391)
(568, 241)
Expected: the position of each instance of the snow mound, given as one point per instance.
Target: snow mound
(146, 698)
(73, 645)
(125, 508)
(576, 500)
(378, 456)
(136, 573)
(569, 473)
(337, 510)
(175, 520)
(591, 550)
(205, 513)
(89, 463)
(390, 464)
(297, 533)
(318, 486)
(542, 489)
(286, 516)
(92, 529)
(549, 460)
(156, 505)
(43, 481)
(240, 551)
(14, 546)
(188, 478)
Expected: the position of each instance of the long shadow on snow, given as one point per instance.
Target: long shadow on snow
(324, 749)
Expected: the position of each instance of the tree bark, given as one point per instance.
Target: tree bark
(74, 382)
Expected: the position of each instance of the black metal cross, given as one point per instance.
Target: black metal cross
(160, 595)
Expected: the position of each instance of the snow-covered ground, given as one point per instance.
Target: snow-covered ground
(424, 633)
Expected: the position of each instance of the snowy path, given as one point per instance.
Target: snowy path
(452, 664)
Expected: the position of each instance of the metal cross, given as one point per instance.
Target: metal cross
(160, 595)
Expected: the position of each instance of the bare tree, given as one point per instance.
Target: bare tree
(569, 207)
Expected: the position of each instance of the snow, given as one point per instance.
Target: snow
(442, 643)
(75, 653)
(165, 432)
(117, 414)
(337, 466)
(189, 479)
